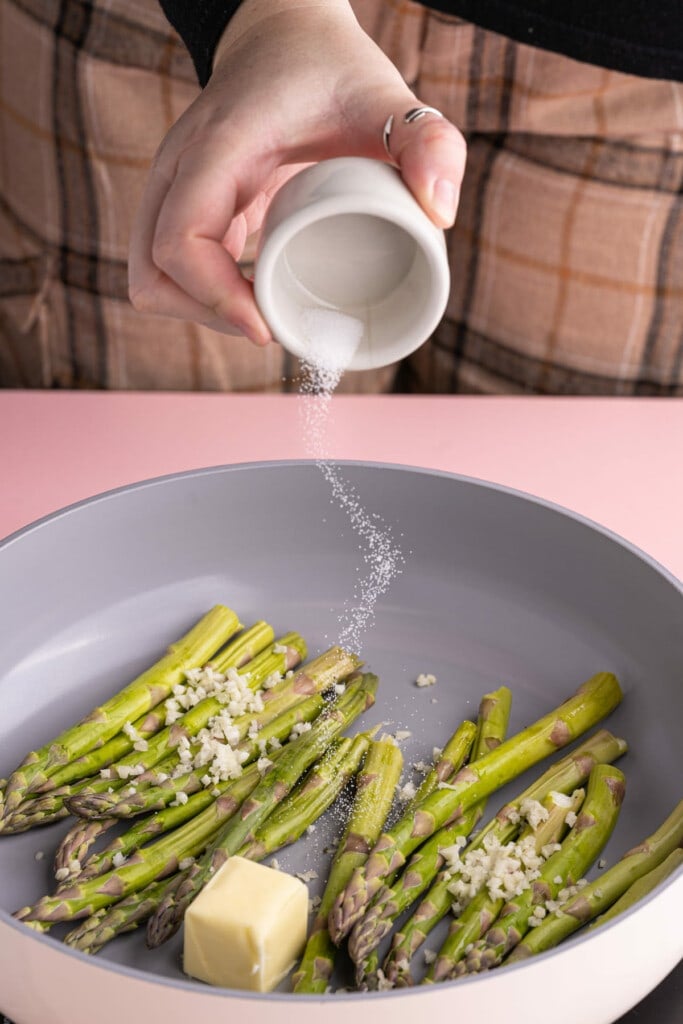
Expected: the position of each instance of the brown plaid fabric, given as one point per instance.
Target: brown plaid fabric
(566, 258)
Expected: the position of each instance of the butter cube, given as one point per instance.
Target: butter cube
(247, 927)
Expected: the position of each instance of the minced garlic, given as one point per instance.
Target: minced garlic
(506, 870)
(406, 792)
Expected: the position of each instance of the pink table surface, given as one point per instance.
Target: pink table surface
(617, 461)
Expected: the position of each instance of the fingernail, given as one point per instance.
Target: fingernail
(444, 200)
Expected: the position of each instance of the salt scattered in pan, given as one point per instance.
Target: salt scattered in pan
(333, 339)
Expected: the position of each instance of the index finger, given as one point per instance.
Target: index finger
(186, 242)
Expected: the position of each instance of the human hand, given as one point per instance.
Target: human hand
(294, 82)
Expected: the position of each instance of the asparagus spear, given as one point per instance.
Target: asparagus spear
(640, 888)
(74, 846)
(613, 885)
(564, 776)
(245, 647)
(452, 758)
(167, 741)
(159, 785)
(256, 671)
(375, 788)
(422, 868)
(158, 860)
(88, 765)
(143, 799)
(492, 720)
(30, 814)
(155, 825)
(297, 812)
(270, 723)
(238, 653)
(483, 909)
(364, 944)
(317, 676)
(319, 788)
(299, 755)
(50, 807)
(593, 700)
(128, 914)
(46, 808)
(493, 717)
(594, 825)
(134, 700)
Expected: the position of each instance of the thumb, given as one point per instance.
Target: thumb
(430, 153)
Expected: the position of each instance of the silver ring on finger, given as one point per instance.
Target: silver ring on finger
(413, 115)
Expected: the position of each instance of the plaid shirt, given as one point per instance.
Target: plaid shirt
(566, 257)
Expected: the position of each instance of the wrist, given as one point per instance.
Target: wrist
(252, 13)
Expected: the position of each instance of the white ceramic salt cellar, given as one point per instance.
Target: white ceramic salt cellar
(350, 269)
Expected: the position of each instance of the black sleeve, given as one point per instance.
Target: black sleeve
(200, 24)
(637, 37)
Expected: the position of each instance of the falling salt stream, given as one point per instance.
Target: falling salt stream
(333, 339)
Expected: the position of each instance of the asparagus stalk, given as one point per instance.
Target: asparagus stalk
(166, 742)
(46, 808)
(364, 943)
(358, 696)
(593, 700)
(594, 825)
(88, 765)
(564, 776)
(86, 896)
(74, 846)
(640, 888)
(493, 717)
(155, 825)
(422, 868)
(188, 725)
(483, 909)
(143, 799)
(375, 788)
(238, 653)
(609, 889)
(492, 721)
(31, 814)
(391, 901)
(134, 700)
(313, 679)
(125, 916)
(301, 808)
(453, 756)
(93, 933)
(317, 676)
(319, 788)
(246, 647)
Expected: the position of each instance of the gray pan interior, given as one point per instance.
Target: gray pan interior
(497, 588)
